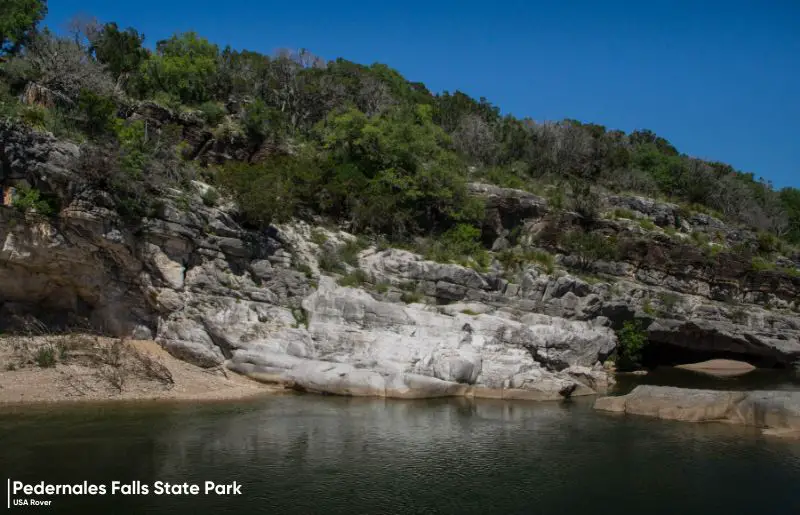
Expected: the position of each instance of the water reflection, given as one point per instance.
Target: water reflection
(309, 454)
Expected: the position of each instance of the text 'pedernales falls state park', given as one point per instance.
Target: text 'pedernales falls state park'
(493, 308)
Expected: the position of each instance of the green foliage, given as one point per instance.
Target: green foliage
(768, 243)
(669, 301)
(213, 112)
(46, 356)
(184, 66)
(333, 260)
(29, 200)
(98, 113)
(18, 21)
(260, 120)
(790, 200)
(460, 244)
(647, 307)
(624, 213)
(132, 137)
(300, 317)
(393, 173)
(34, 116)
(330, 261)
(349, 252)
(469, 312)
(589, 247)
(412, 297)
(584, 200)
(515, 259)
(632, 339)
(647, 224)
(120, 51)
(305, 270)
(382, 287)
(759, 264)
(210, 197)
(270, 192)
(354, 279)
(700, 238)
(318, 237)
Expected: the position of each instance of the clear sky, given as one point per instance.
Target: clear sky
(719, 79)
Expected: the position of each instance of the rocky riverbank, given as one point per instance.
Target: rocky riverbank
(315, 308)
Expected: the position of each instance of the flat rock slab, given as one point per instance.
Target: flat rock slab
(720, 367)
(776, 412)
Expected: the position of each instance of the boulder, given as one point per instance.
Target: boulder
(720, 367)
(775, 412)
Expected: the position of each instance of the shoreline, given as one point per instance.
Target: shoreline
(139, 371)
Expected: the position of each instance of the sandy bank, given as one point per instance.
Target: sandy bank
(88, 368)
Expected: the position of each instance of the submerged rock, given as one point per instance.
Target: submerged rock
(776, 412)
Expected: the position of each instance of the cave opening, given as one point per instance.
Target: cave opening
(656, 354)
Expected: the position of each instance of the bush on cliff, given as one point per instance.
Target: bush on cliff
(631, 340)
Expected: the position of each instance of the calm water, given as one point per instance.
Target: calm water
(310, 454)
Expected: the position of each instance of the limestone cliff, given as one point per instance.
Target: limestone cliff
(212, 292)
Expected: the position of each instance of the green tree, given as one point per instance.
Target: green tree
(400, 177)
(184, 66)
(97, 113)
(790, 198)
(18, 21)
(121, 51)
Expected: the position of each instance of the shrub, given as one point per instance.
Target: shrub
(350, 250)
(210, 197)
(460, 244)
(647, 307)
(34, 116)
(318, 237)
(412, 297)
(46, 356)
(669, 301)
(624, 213)
(330, 261)
(585, 200)
(647, 224)
(305, 270)
(29, 199)
(300, 317)
(700, 238)
(632, 339)
(212, 112)
(760, 264)
(97, 113)
(354, 279)
(589, 247)
(512, 259)
(768, 243)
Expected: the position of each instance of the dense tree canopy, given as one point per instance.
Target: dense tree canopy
(369, 146)
(18, 20)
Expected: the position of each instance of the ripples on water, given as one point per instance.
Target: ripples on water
(328, 455)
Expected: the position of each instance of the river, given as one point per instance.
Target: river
(306, 454)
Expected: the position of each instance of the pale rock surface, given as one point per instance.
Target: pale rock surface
(776, 412)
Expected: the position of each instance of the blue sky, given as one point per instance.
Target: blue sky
(720, 80)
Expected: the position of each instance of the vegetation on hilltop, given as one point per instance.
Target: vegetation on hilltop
(360, 144)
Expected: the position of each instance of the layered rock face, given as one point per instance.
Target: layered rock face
(356, 345)
(214, 293)
(776, 412)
